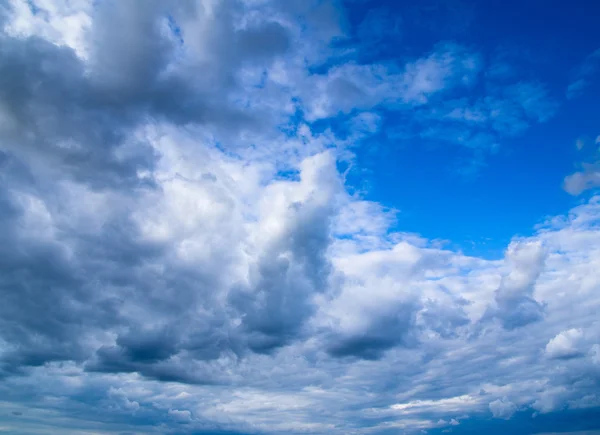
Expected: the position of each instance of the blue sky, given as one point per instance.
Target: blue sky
(307, 217)
(543, 41)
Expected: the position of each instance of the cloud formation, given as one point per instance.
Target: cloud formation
(180, 252)
(502, 408)
(584, 75)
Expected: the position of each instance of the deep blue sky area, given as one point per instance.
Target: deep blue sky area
(519, 185)
(526, 423)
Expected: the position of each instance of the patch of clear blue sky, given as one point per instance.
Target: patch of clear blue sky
(515, 188)
(527, 422)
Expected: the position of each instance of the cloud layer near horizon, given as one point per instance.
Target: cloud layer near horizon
(181, 254)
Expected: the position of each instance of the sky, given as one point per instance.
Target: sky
(240, 217)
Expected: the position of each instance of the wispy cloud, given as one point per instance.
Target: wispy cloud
(584, 75)
(588, 177)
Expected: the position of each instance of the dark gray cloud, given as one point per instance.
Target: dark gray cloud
(53, 118)
(445, 319)
(290, 272)
(62, 114)
(389, 330)
(69, 118)
(56, 292)
(516, 306)
(129, 50)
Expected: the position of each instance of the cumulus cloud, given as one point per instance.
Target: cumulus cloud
(180, 416)
(502, 408)
(181, 254)
(516, 306)
(565, 344)
(579, 182)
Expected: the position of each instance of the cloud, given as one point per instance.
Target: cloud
(379, 26)
(564, 345)
(80, 122)
(180, 416)
(181, 253)
(401, 310)
(515, 305)
(595, 352)
(444, 96)
(584, 75)
(481, 123)
(579, 182)
(588, 178)
(448, 66)
(293, 266)
(502, 408)
(354, 86)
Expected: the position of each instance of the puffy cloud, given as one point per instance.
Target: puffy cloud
(502, 408)
(515, 304)
(565, 344)
(293, 264)
(587, 179)
(396, 316)
(180, 416)
(181, 255)
(63, 112)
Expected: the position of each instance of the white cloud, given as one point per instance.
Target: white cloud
(588, 177)
(180, 416)
(453, 404)
(502, 408)
(565, 344)
(64, 22)
(348, 87)
(185, 257)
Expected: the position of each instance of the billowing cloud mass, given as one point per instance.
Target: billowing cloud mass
(180, 252)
